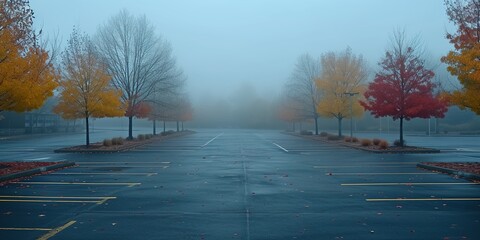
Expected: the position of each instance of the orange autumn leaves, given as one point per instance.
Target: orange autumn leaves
(27, 77)
(464, 61)
(87, 91)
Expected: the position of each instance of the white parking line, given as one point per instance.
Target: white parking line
(211, 140)
(285, 150)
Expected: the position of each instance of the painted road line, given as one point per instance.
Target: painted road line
(285, 150)
(377, 173)
(408, 184)
(419, 199)
(23, 229)
(109, 173)
(55, 231)
(81, 163)
(47, 201)
(359, 166)
(79, 183)
(211, 140)
(51, 199)
(114, 166)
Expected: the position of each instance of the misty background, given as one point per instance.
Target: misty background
(238, 55)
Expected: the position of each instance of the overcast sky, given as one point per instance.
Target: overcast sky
(222, 43)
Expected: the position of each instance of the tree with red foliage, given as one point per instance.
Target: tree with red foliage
(403, 88)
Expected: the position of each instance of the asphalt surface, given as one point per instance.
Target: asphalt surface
(241, 184)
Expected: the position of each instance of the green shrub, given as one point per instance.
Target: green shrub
(383, 144)
(148, 136)
(107, 142)
(323, 134)
(366, 142)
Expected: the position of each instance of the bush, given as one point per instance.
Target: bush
(107, 142)
(169, 132)
(148, 136)
(366, 142)
(141, 137)
(348, 139)
(398, 144)
(383, 144)
(305, 132)
(354, 139)
(376, 141)
(334, 138)
(323, 134)
(117, 141)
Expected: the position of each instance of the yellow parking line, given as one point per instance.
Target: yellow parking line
(420, 199)
(408, 184)
(109, 173)
(55, 231)
(401, 173)
(80, 183)
(24, 229)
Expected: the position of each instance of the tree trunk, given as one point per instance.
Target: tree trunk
(87, 140)
(401, 132)
(164, 129)
(130, 126)
(316, 125)
(340, 127)
(182, 126)
(178, 127)
(154, 127)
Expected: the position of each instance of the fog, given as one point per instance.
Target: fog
(238, 55)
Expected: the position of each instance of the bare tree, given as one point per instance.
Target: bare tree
(302, 90)
(138, 60)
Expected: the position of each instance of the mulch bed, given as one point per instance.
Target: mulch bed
(13, 167)
(469, 167)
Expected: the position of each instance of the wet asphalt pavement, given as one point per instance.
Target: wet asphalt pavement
(242, 184)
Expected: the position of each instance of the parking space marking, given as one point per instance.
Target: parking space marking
(54, 199)
(113, 166)
(285, 150)
(211, 140)
(408, 184)
(23, 229)
(55, 231)
(419, 199)
(80, 183)
(359, 166)
(81, 163)
(379, 173)
(108, 173)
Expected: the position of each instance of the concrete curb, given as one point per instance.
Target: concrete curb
(34, 171)
(462, 174)
(123, 148)
(312, 137)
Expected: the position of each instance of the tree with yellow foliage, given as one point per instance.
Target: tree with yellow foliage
(86, 85)
(27, 76)
(464, 61)
(340, 85)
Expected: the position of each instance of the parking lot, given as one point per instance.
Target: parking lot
(240, 184)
